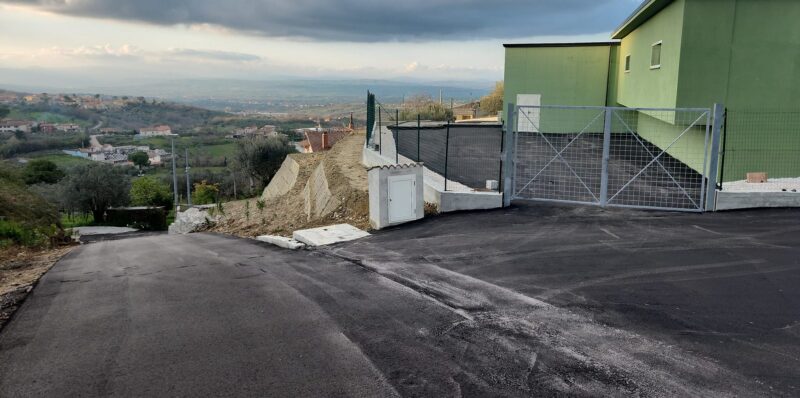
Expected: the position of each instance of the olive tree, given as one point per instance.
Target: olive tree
(96, 187)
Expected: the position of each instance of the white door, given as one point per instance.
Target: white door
(528, 118)
(402, 198)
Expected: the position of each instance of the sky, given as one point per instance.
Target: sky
(414, 40)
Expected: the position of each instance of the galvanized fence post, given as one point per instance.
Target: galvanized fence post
(713, 164)
(446, 154)
(508, 150)
(380, 131)
(606, 157)
(397, 136)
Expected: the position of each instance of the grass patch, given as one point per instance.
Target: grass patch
(76, 220)
(62, 160)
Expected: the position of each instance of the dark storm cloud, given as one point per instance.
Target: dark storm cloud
(364, 20)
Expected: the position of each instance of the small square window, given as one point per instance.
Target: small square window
(655, 56)
(628, 63)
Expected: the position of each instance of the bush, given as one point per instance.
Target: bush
(149, 219)
(42, 171)
(149, 191)
(25, 235)
(205, 193)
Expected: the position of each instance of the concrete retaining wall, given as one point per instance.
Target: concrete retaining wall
(753, 200)
(319, 201)
(283, 181)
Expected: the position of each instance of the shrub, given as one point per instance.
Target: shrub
(205, 193)
(42, 171)
(149, 191)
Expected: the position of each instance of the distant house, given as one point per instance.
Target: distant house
(47, 127)
(10, 126)
(466, 111)
(109, 130)
(319, 140)
(155, 131)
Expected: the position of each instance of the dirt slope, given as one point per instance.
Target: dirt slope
(346, 179)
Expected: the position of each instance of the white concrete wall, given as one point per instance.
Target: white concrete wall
(754, 200)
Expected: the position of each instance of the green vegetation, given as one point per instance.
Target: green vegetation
(426, 108)
(149, 191)
(205, 193)
(25, 217)
(61, 159)
(13, 145)
(76, 220)
(42, 171)
(493, 102)
(139, 159)
(94, 188)
(260, 158)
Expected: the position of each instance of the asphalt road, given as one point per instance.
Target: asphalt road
(527, 301)
(724, 286)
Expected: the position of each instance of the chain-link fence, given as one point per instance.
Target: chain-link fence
(464, 156)
(763, 144)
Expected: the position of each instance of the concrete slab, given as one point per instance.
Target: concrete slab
(752, 200)
(281, 241)
(84, 231)
(329, 235)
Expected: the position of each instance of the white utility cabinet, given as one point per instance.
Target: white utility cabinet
(395, 194)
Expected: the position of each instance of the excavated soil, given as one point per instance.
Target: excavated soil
(20, 269)
(347, 181)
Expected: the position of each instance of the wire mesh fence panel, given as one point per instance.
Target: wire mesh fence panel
(559, 154)
(761, 141)
(657, 158)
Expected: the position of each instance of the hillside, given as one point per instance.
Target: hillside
(329, 188)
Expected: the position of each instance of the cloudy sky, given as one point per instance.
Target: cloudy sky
(261, 39)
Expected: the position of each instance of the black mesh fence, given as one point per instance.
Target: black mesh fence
(469, 154)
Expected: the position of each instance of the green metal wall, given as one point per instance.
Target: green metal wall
(569, 75)
(562, 75)
(644, 87)
(749, 60)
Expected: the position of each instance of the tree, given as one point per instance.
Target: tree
(205, 193)
(149, 191)
(96, 187)
(4, 112)
(42, 171)
(493, 103)
(260, 158)
(140, 159)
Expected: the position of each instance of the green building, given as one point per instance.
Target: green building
(744, 54)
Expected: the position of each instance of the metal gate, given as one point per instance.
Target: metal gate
(628, 157)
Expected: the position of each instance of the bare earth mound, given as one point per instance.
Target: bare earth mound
(345, 191)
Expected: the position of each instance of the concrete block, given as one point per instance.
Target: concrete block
(754, 200)
(492, 185)
(329, 235)
(284, 180)
(281, 241)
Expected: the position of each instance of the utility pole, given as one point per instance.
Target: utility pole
(188, 182)
(174, 177)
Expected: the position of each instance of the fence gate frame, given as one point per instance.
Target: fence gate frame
(712, 117)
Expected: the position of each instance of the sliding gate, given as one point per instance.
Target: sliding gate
(643, 158)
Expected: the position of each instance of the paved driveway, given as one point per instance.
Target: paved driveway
(725, 287)
(527, 301)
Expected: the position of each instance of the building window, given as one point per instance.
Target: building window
(628, 63)
(655, 56)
